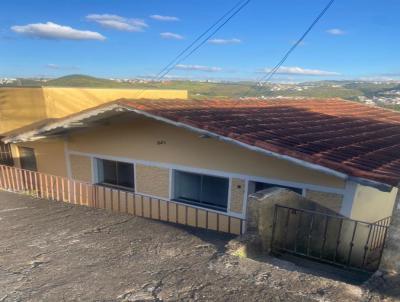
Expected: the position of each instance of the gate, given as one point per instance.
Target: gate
(5, 154)
(329, 238)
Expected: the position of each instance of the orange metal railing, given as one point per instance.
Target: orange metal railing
(67, 190)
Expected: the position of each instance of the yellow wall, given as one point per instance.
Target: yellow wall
(237, 195)
(138, 139)
(371, 204)
(64, 101)
(152, 181)
(22, 106)
(49, 156)
(81, 167)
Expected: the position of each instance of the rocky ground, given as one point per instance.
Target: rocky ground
(51, 251)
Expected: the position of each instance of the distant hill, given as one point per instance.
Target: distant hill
(77, 80)
(350, 90)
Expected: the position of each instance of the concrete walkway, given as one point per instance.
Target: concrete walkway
(50, 251)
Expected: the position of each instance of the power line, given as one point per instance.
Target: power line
(172, 64)
(173, 61)
(272, 72)
(206, 39)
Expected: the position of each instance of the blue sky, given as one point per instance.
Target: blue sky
(357, 39)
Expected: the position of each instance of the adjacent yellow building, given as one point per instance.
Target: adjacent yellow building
(25, 105)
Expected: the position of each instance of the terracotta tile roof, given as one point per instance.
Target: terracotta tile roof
(348, 137)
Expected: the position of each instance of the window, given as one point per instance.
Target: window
(27, 158)
(259, 186)
(114, 173)
(202, 190)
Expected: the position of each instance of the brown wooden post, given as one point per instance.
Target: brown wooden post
(22, 179)
(80, 194)
(69, 190)
(12, 179)
(58, 188)
(46, 184)
(63, 189)
(26, 183)
(15, 175)
(1, 177)
(87, 202)
(30, 181)
(36, 184)
(7, 178)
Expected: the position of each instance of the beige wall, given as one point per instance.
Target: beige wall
(49, 156)
(370, 204)
(139, 140)
(152, 181)
(22, 106)
(329, 200)
(238, 187)
(81, 167)
(64, 101)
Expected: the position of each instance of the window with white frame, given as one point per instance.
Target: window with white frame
(202, 190)
(116, 174)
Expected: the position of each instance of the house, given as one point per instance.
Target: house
(212, 154)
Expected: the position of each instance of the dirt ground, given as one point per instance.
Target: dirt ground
(51, 251)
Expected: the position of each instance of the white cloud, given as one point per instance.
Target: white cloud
(59, 67)
(55, 31)
(379, 79)
(198, 68)
(224, 41)
(118, 22)
(164, 18)
(171, 36)
(302, 71)
(336, 32)
(53, 66)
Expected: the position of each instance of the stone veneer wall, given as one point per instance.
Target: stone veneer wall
(237, 195)
(330, 200)
(81, 167)
(152, 181)
(391, 255)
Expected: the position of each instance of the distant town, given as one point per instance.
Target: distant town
(376, 93)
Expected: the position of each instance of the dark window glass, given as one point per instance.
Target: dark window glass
(27, 158)
(116, 174)
(202, 190)
(110, 172)
(125, 175)
(259, 186)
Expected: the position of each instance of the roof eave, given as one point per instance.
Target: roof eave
(64, 124)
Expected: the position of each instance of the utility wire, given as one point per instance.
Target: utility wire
(273, 71)
(168, 70)
(178, 59)
(173, 61)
